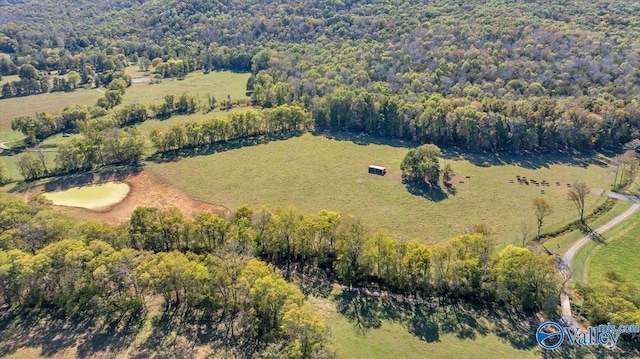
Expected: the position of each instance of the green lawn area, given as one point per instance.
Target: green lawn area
(620, 253)
(218, 84)
(9, 78)
(314, 172)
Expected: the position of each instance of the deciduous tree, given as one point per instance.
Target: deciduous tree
(577, 194)
(541, 209)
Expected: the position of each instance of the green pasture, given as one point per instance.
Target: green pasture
(563, 242)
(49, 102)
(91, 197)
(314, 172)
(619, 253)
(218, 84)
(365, 326)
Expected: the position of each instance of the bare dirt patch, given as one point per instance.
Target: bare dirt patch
(144, 192)
(458, 179)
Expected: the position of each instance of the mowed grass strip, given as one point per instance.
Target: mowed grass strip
(620, 254)
(314, 172)
(219, 84)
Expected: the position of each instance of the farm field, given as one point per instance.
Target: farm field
(49, 102)
(218, 84)
(8, 78)
(314, 172)
(619, 254)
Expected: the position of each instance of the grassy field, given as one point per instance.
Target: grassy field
(314, 172)
(383, 337)
(11, 161)
(620, 254)
(48, 102)
(10, 78)
(218, 84)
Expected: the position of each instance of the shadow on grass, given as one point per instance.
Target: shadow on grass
(176, 155)
(430, 322)
(431, 192)
(364, 139)
(174, 333)
(530, 160)
(467, 321)
(593, 235)
(451, 189)
(53, 333)
(179, 331)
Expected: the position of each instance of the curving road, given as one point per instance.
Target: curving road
(567, 259)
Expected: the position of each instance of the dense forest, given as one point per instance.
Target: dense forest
(496, 76)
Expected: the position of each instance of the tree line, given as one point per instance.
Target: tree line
(483, 124)
(612, 300)
(347, 251)
(235, 126)
(44, 124)
(33, 81)
(249, 297)
(338, 245)
(99, 144)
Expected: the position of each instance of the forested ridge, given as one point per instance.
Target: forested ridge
(496, 76)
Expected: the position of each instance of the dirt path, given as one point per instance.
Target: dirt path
(567, 259)
(144, 192)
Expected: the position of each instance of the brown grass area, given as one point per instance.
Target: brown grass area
(144, 192)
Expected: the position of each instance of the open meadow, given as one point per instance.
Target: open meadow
(218, 84)
(314, 172)
(48, 102)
